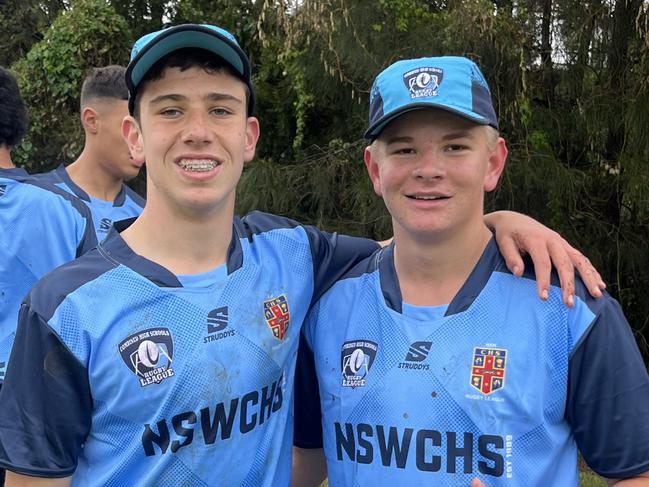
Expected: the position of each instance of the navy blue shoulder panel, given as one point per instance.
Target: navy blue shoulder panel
(80, 207)
(89, 239)
(15, 173)
(63, 176)
(332, 254)
(246, 227)
(50, 176)
(48, 293)
(257, 222)
(608, 396)
(137, 199)
(45, 401)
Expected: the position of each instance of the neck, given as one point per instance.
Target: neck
(431, 272)
(182, 242)
(90, 175)
(5, 158)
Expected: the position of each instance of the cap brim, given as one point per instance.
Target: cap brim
(181, 37)
(377, 127)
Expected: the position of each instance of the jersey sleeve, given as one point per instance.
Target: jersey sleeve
(334, 255)
(307, 432)
(45, 402)
(608, 396)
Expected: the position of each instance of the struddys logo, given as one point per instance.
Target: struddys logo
(356, 359)
(423, 82)
(277, 316)
(488, 369)
(149, 354)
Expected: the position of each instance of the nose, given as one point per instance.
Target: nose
(430, 166)
(197, 129)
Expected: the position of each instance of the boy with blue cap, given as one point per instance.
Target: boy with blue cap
(167, 355)
(435, 365)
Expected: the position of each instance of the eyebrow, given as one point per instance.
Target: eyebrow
(460, 134)
(397, 139)
(175, 97)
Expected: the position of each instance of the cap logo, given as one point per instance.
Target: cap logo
(423, 82)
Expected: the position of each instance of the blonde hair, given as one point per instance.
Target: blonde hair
(492, 135)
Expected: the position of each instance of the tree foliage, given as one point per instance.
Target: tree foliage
(22, 23)
(88, 34)
(568, 77)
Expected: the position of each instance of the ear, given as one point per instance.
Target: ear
(496, 165)
(252, 136)
(90, 120)
(373, 168)
(133, 137)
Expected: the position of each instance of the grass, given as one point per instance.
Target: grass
(589, 479)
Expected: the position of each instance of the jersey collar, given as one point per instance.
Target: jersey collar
(489, 261)
(115, 248)
(63, 175)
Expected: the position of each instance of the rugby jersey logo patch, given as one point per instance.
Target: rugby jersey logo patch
(488, 369)
(277, 316)
(356, 359)
(149, 354)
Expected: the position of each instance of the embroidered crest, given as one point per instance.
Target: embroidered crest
(488, 369)
(277, 316)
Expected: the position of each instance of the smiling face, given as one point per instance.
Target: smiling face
(195, 136)
(432, 168)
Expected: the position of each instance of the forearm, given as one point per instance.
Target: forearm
(641, 480)
(309, 467)
(16, 480)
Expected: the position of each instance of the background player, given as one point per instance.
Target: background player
(435, 365)
(97, 176)
(13, 117)
(175, 340)
(41, 226)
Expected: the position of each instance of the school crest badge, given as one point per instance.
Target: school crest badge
(488, 369)
(277, 316)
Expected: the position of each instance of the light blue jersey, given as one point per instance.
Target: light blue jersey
(499, 385)
(137, 376)
(127, 204)
(41, 227)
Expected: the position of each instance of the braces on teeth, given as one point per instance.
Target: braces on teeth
(197, 166)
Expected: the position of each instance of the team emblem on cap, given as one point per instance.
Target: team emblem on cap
(423, 82)
(277, 316)
(488, 369)
(356, 359)
(148, 354)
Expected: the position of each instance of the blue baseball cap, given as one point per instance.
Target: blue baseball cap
(450, 83)
(150, 48)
